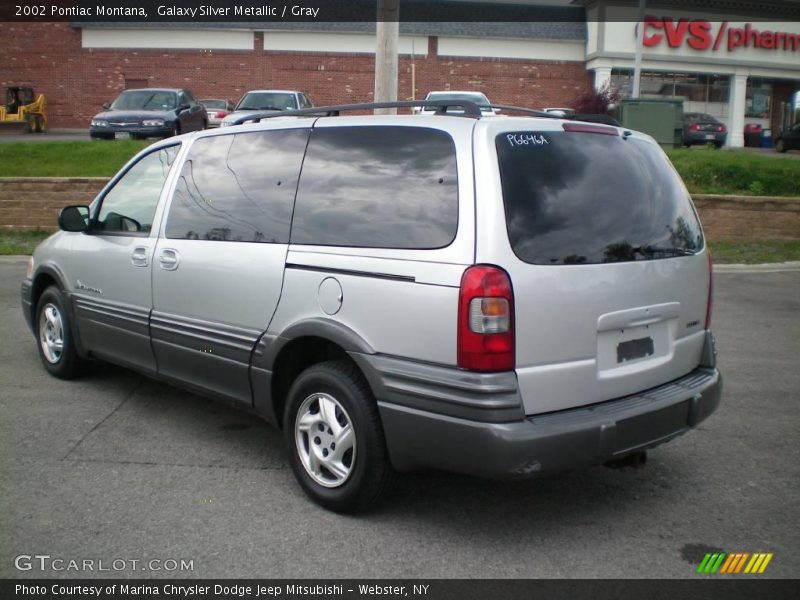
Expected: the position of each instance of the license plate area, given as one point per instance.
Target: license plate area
(122, 135)
(709, 136)
(622, 351)
(633, 349)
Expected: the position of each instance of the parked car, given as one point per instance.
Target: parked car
(425, 293)
(149, 112)
(700, 128)
(217, 110)
(560, 111)
(267, 101)
(475, 97)
(788, 139)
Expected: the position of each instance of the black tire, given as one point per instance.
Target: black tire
(717, 145)
(780, 146)
(369, 471)
(176, 129)
(64, 364)
(38, 124)
(205, 125)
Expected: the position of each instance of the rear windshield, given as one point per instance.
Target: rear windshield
(588, 198)
(701, 117)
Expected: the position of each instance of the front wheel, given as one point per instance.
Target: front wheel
(335, 439)
(55, 336)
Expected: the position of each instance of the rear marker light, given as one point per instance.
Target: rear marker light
(486, 320)
(710, 301)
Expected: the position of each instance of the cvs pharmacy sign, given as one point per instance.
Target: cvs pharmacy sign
(703, 35)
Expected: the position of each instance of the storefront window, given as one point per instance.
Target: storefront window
(706, 93)
(690, 86)
(758, 99)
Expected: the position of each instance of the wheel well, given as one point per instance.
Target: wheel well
(40, 284)
(293, 359)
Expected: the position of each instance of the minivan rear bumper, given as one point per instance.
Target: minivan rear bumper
(419, 439)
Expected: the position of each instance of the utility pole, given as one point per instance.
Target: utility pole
(387, 31)
(637, 65)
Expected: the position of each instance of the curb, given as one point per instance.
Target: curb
(779, 267)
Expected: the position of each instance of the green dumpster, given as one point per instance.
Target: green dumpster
(660, 117)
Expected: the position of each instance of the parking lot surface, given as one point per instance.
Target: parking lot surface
(116, 466)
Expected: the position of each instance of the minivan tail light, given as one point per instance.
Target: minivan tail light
(694, 127)
(710, 301)
(485, 320)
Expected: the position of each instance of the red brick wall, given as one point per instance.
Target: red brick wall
(77, 81)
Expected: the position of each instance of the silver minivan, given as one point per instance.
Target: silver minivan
(502, 297)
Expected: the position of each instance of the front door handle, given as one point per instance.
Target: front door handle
(139, 257)
(169, 259)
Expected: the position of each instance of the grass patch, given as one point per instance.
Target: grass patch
(754, 252)
(20, 241)
(66, 159)
(705, 170)
(711, 171)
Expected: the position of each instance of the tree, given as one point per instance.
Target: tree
(596, 102)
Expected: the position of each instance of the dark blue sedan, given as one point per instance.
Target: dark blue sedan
(150, 112)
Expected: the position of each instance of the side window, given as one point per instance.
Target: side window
(378, 187)
(238, 188)
(182, 99)
(304, 102)
(130, 205)
(190, 99)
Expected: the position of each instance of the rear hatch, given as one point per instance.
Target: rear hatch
(605, 254)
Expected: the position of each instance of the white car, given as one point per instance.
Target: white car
(267, 100)
(478, 98)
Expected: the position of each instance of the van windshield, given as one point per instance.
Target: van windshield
(588, 198)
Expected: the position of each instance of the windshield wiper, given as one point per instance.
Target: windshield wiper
(649, 250)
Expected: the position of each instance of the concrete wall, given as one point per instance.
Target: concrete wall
(33, 203)
(749, 218)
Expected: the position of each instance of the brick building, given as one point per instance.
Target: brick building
(80, 67)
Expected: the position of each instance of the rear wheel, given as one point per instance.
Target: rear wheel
(55, 335)
(176, 128)
(334, 437)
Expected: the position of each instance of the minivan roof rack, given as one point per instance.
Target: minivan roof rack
(471, 110)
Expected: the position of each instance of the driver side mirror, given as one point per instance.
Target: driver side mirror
(182, 107)
(106, 105)
(74, 218)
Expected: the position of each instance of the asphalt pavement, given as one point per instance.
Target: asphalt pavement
(118, 467)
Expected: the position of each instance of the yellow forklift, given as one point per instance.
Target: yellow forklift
(22, 107)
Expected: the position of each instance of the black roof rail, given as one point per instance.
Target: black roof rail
(471, 110)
